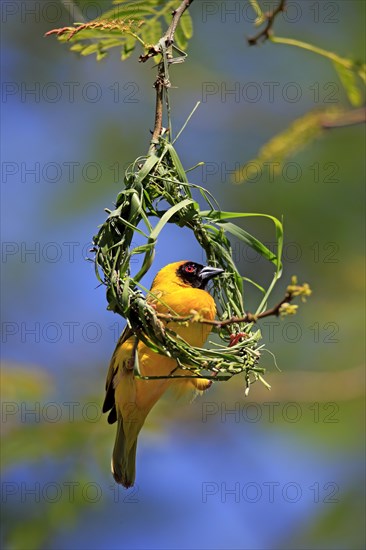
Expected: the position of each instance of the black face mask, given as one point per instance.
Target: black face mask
(197, 275)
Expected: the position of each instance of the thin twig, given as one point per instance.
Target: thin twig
(265, 33)
(177, 14)
(350, 118)
(168, 38)
(162, 81)
(248, 317)
(159, 87)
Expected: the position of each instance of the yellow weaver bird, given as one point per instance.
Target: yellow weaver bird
(178, 288)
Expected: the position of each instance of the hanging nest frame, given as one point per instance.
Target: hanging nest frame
(156, 186)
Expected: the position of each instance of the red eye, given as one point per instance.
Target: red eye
(189, 269)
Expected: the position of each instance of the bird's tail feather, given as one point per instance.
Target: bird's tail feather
(124, 457)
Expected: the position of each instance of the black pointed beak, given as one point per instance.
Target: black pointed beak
(209, 272)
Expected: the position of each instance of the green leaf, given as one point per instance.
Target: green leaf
(152, 32)
(219, 215)
(147, 167)
(129, 46)
(282, 146)
(101, 55)
(150, 246)
(125, 302)
(254, 284)
(184, 30)
(180, 39)
(128, 23)
(77, 47)
(168, 214)
(251, 241)
(92, 48)
(186, 24)
(349, 81)
(258, 11)
(130, 10)
(347, 63)
(177, 163)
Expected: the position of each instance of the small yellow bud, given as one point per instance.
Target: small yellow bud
(288, 309)
(294, 289)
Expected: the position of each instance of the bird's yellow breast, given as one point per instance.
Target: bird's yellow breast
(182, 303)
(170, 294)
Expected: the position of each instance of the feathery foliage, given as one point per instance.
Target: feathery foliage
(123, 27)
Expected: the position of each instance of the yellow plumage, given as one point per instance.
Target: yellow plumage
(174, 290)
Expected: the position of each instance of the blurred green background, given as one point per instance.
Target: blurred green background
(277, 470)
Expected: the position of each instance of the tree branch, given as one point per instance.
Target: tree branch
(177, 14)
(159, 87)
(162, 81)
(168, 38)
(247, 318)
(266, 32)
(350, 118)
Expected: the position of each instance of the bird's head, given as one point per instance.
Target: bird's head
(186, 274)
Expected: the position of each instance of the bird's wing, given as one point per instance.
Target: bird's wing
(109, 401)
